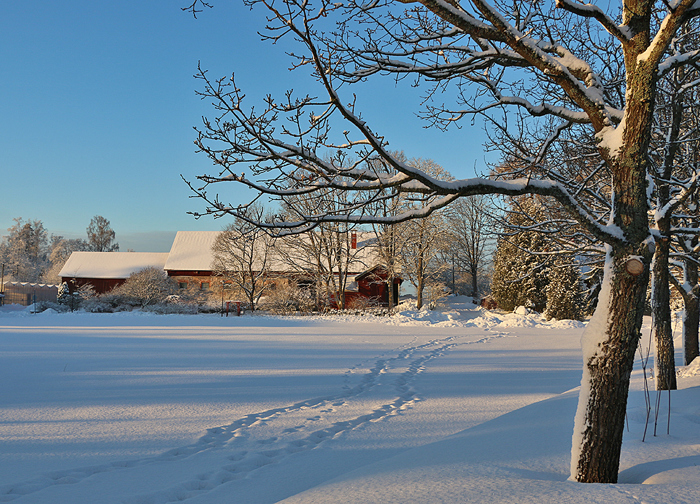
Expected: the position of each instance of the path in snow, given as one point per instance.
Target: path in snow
(234, 451)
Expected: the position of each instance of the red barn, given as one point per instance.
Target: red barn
(106, 270)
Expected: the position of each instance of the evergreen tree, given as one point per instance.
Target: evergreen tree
(522, 277)
(519, 277)
(25, 250)
(564, 294)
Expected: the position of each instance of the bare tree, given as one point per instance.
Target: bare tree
(470, 230)
(536, 71)
(423, 240)
(242, 255)
(674, 162)
(689, 288)
(101, 235)
(326, 253)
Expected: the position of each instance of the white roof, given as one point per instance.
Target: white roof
(110, 264)
(191, 251)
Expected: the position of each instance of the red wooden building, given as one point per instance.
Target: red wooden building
(105, 270)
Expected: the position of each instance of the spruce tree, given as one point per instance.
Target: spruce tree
(564, 294)
(520, 276)
(523, 276)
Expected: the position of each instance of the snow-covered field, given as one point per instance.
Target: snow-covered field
(457, 405)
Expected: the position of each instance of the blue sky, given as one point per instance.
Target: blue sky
(98, 104)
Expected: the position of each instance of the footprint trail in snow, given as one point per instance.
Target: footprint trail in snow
(268, 437)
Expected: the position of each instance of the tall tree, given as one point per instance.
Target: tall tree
(551, 69)
(100, 235)
(470, 234)
(422, 240)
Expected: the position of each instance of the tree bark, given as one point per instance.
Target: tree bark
(608, 361)
(691, 320)
(611, 337)
(475, 283)
(661, 312)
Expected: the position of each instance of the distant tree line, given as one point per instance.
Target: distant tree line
(30, 254)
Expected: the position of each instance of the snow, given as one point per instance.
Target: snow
(592, 338)
(453, 405)
(191, 251)
(110, 264)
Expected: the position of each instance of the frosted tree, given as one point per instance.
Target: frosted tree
(100, 235)
(535, 71)
(25, 250)
(61, 249)
(143, 288)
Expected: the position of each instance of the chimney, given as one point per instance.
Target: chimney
(353, 240)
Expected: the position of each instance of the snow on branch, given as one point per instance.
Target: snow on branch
(595, 12)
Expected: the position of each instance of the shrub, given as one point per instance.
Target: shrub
(288, 298)
(146, 287)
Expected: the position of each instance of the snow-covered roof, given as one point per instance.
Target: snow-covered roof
(191, 251)
(110, 264)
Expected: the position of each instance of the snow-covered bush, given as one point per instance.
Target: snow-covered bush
(146, 287)
(42, 306)
(288, 297)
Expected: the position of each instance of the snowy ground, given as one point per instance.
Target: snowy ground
(452, 406)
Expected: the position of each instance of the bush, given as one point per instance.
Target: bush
(147, 287)
(288, 298)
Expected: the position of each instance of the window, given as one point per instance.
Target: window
(182, 285)
(204, 286)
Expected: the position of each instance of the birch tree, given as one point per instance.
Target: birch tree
(535, 71)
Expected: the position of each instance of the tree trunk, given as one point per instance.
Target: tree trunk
(609, 344)
(475, 284)
(419, 293)
(661, 318)
(419, 280)
(611, 337)
(691, 320)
